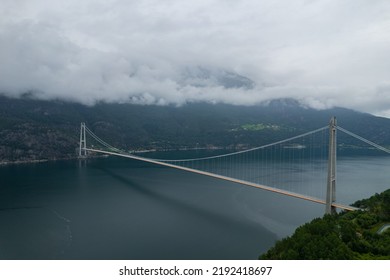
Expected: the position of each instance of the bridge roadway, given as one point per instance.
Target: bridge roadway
(246, 183)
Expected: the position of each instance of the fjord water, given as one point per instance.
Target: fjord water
(112, 208)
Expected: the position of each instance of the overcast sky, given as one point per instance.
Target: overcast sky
(324, 53)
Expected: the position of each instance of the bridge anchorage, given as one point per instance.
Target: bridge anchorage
(280, 163)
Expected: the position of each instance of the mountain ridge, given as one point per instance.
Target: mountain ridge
(45, 130)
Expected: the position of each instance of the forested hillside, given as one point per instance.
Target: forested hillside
(349, 235)
(34, 129)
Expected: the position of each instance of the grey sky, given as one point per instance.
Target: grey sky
(324, 53)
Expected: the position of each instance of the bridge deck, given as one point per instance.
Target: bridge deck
(242, 182)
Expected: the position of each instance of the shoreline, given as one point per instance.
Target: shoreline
(18, 162)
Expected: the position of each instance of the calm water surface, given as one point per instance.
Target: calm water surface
(116, 208)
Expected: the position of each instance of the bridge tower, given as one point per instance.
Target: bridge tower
(83, 142)
(331, 182)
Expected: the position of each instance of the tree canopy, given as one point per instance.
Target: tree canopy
(346, 235)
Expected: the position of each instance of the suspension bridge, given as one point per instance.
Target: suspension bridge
(272, 167)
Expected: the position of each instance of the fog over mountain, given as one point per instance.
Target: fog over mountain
(322, 53)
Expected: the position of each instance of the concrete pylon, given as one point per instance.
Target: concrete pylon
(83, 142)
(331, 183)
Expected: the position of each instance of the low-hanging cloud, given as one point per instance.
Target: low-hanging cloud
(323, 53)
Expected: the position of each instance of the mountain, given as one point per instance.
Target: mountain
(206, 77)
(35, 129)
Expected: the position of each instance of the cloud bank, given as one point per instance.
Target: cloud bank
(324, 53)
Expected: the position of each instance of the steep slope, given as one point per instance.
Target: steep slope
(348, 235)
